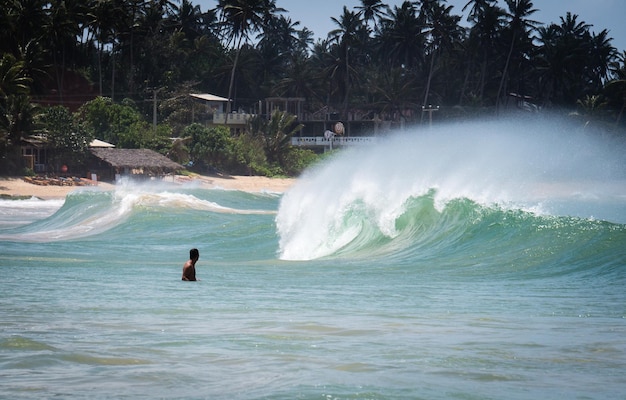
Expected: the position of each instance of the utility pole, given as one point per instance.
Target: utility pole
(430, 109)
(154, 110)
(154, 106)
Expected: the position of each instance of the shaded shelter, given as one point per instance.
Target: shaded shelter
(35, 152)
(111, 163)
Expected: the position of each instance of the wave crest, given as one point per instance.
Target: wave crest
(412, 182)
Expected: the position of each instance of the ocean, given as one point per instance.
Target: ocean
(465, 261)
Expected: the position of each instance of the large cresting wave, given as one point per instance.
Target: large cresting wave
(425, 189)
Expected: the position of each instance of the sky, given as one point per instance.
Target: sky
(602, 14)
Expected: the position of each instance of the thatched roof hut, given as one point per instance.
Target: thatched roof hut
(132, 162)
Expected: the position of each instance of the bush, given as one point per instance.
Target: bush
(297, 160)
(28, 172)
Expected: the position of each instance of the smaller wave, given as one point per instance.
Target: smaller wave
(14, 213)
(130, 199)
(90, 212)
(83, 213)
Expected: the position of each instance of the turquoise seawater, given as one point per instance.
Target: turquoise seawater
(473, 262)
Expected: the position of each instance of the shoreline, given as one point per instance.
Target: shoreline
(17, 187)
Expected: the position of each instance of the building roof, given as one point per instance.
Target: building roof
(141, 159)
(42, 141)
(100, 143)
(208, 97)
(35, 141)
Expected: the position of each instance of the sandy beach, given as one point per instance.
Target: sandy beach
(17, 186)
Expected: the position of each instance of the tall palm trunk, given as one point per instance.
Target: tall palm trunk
(430, 77)
(113, 72)
(100, 50)
(465, 83)
(621, 113)
(60, 74)
(483, 74)
(505, 71)
(347, 94)
(232, 81)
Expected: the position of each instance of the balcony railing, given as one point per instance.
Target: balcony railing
(335, 141)
(231, 118)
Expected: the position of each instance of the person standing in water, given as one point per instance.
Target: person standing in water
(189, 269)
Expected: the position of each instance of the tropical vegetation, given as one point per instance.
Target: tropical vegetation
(72, 70)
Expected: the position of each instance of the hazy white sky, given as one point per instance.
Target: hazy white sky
(602, 14)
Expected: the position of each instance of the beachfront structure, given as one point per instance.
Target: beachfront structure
(110, 164)
(357, 122)
(216, 106)
(35, 151)
(214, 102)
(317, 123)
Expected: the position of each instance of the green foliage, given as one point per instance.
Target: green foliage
(110, 121)
(273, 137)
(123, 125)
(67, 138)
(210, 147)
(16, 111)
(249, 153)
(179, 150)
(16, 121)
(297, 160)
(159, 140)
(28, 172)
(136, 46)
(276, 134)
(13, 79)
(178, 109)
(215, 148)
(385, 60)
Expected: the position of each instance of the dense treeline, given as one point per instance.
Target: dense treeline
(381, 60)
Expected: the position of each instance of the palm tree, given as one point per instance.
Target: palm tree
(484, 34)
(615, 90)
(574, 45)
(392, 92)
(188, 19)
(239, 19)
(442, 31)
(299, 80)
(128, 22)
(324, 66)
(67, 20)
(400, 41)
(305, 41)
(591, 107)
(7, 20)
(372, 10)
(16, 122)
(13, 80)
(16, 110)
(276, 134)
(572, 62)
(278, 43)
(349, 34)
(14, 86)
(519, 26)
(22, 22)
(602, 56)
(104, 14)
